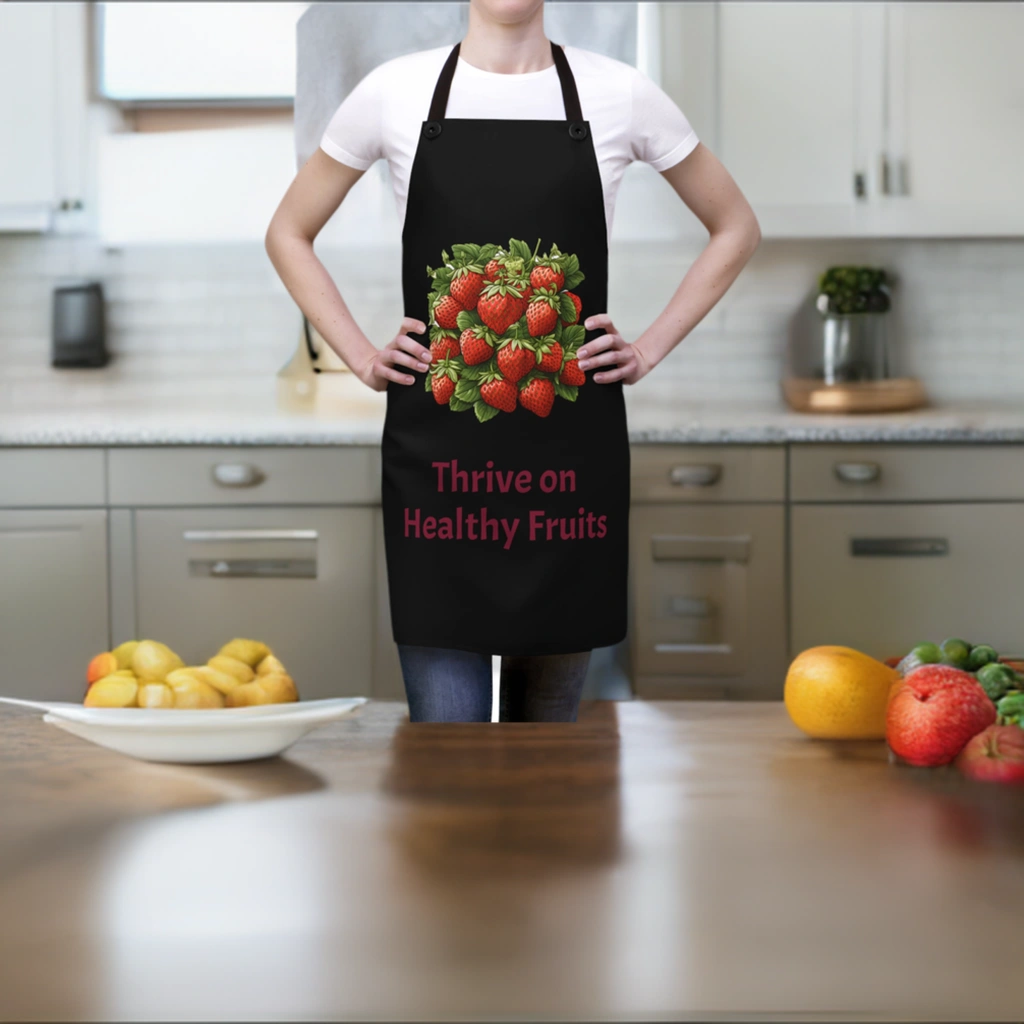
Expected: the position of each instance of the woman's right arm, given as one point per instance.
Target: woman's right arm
(317, 191)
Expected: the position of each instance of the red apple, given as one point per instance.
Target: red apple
(934, 712)
(994, 755)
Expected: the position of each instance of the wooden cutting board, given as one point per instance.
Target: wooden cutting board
(897, 394)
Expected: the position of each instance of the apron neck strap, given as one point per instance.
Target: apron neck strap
(570, 97)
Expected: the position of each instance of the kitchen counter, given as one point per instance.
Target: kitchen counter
(127, 404)
(656, 860)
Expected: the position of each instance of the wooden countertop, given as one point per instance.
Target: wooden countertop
(655, 860)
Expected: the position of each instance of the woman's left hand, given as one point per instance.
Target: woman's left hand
(625, 362)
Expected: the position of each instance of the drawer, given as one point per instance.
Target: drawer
(56, 477)
(709, 596)
(882, 578)
(851, 473)
(245, 476)
(697, 473)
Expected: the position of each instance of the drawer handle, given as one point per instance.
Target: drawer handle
(898, 547)
(858, 472)
(254, 568)
(697, 474)
(692, 649)
(237, 474)
(205, 536)
(700, 549)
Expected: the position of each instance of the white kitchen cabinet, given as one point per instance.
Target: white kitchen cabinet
(53, 600)
(887, 120)
(298, 578)
(43, 115)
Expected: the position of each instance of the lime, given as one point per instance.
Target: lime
(996, 679)
(981, 654)
(927, 654)
(955, 652)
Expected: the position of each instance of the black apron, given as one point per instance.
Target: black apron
(505, 479)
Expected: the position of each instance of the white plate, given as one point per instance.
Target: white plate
(195, 737)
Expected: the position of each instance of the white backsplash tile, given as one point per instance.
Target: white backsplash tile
(958, 321)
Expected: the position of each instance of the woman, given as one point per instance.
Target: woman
(505, 452)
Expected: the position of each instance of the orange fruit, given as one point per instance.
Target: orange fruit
(838, 693)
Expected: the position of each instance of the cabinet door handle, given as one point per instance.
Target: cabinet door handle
(237, 474)
(254, 568)
(212, 536)
(898, 547)
(692, 649)
(858, 472)
(697, 474)
(700, 549)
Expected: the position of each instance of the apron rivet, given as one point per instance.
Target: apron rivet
(432, 129)
(577, 130)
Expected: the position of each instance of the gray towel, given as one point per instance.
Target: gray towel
(339, 43)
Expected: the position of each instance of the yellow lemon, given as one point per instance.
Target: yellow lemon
(838, 693)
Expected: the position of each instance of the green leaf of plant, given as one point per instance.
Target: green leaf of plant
(519, 248)
(467, 391)
(467, 319)
(570, 264)
(486, 252)
(572, 280)
(566, 391)
(573, 335)
(457, 405)
(484, 412)
(426, 383)
(566, 309)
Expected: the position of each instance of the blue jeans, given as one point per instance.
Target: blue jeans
(444, 685)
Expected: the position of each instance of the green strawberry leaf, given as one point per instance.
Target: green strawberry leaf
(457, 405)
(566, 308)
(484, 412)
(520, 249)
(467, 319)
(570, 264)
(467, 391)
(572, 280)
(487, 251)
(474, 372)
(466, 252)
(565, 391)
(427, 383)
(573, 335)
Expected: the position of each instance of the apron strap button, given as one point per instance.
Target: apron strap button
(432, 129)
(577, 130)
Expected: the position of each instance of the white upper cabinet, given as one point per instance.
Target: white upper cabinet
(27, 112)
(844, 119)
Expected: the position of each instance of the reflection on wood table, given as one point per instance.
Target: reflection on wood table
(654, 860)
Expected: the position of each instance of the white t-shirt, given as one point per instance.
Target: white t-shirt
(630, 117)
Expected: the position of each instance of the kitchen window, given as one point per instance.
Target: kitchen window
(196, 54)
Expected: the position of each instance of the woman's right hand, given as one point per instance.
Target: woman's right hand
(401, 350)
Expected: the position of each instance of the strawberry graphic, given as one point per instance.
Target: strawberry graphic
(499, 306)
(466, 285)
(579, 305)
(549, 355)
(443, 346)
(547, 275)
(537, 395)
(498, 392)
(515, 360)
(495, 269)
(542, 313)
(477, 345)
(446, 309)
(572, 374)
(443, 380)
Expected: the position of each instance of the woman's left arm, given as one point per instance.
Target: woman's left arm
(709, 191)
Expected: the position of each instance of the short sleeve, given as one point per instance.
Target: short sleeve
(660, 134)
(354, 136)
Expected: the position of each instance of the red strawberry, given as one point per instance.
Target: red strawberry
(442, 346)
(446, 309)
(538, 395)
(550, 353)
(543, 276)
(572, 374)
(500, 306)
(443, 387)
(499, 394)
(494, 270)
(542, 315)
(477, 345)
(466, 285)
(515, 360)
(579, 305)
